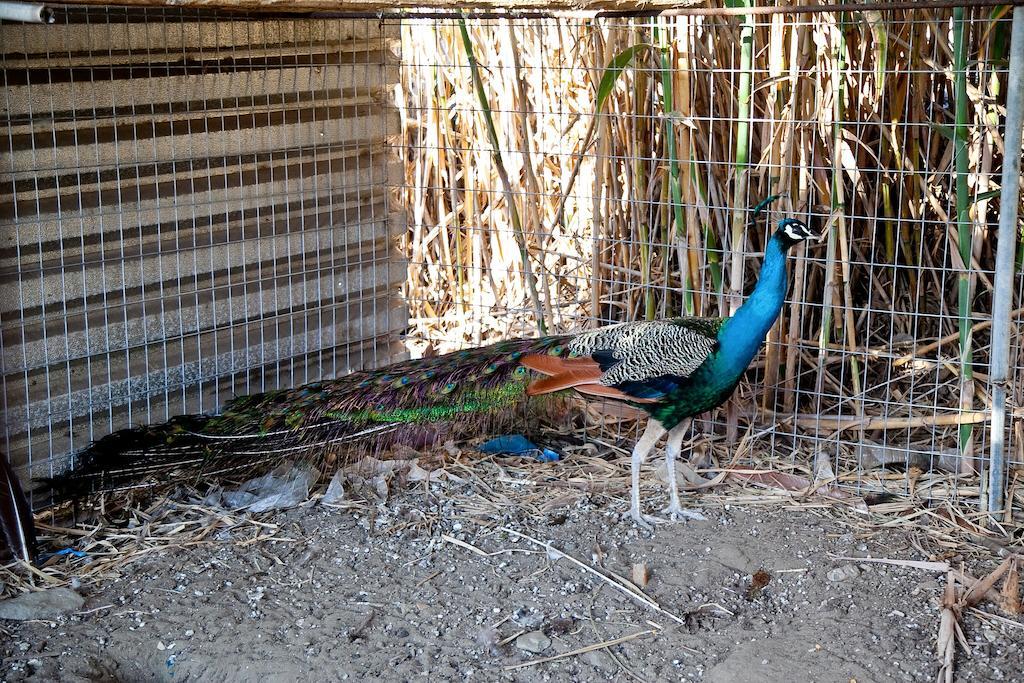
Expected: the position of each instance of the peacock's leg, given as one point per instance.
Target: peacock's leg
(644, 445)
(673, 447)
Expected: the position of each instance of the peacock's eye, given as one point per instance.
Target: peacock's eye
(448, 388)
(519, 371)
(556, 350)
(491, 367)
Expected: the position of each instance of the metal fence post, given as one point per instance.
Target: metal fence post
(999, 369)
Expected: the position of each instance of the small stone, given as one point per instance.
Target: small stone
(527, 617)
(487, 638)
(402, 633)
(534, 641)
(843, 573)
(599, 659)
(48, 604)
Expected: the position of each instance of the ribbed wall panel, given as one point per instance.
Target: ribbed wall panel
(192, 207)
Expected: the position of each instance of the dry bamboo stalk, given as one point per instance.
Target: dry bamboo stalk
(601, 172)
(889, 128)
(532, 211)
(774, 120)
(948, 339)
(937, 420)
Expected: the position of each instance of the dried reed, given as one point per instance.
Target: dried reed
(883, 127)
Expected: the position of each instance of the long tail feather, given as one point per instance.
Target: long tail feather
(419, 397)
(19, 529)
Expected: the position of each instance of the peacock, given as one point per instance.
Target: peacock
(671, 369)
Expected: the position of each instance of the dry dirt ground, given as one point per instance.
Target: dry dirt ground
(414, 587)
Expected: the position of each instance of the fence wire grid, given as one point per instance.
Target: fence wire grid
(197, 205)
(194, 206)
(880, 128)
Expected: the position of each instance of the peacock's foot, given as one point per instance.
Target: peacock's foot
(645, 521)
(677, 512)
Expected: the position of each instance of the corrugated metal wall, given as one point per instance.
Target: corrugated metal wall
(191, 207)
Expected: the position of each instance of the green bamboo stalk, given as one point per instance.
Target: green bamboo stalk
(669, 115)
(742, 158)
(963, 219)
(831, 248)
(739, 215)
(711, 248)
(839, 203)
(890, 230)
(640, 85)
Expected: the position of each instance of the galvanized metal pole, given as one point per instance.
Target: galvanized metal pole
(22, 11)
(999, 368)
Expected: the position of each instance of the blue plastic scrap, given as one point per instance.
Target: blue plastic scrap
(517, 444)
(62, 552)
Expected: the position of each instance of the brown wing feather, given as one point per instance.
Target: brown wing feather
(581, 374)
(610, 392)
(556, 365)
(563, 373)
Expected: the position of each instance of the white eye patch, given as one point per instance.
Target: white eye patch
(796, 231)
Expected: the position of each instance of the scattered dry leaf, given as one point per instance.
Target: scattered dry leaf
(977, 592)
(946, 644)
(760, 579)
(797, 484)
(641, 574)
(1010, 594)
(823, 471)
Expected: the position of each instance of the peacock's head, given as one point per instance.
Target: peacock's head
(792, 231)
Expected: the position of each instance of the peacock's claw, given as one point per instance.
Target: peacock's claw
(647, 522)
(676, 512)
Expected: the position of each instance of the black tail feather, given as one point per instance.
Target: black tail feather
(130, 457)
(19, 529)
(186, 450)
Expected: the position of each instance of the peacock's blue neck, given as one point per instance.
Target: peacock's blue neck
(742, 335)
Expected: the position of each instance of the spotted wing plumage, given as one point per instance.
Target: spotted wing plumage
(639, 351)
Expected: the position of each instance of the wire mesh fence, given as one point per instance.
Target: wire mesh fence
(634, 150)
(197, 205)
(193, 206)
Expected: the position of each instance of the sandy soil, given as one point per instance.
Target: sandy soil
(386, 596)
